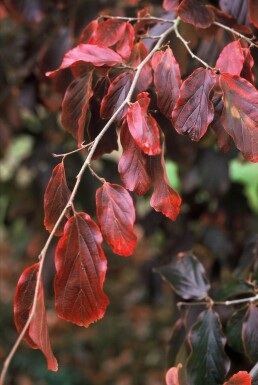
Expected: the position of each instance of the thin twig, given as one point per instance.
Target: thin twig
(86, 163)
(102, 180)
(249, 40)
(147, 18)
(83, 146)
(224, 303)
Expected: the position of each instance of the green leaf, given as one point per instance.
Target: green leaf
(175, 342)
(234, 289)
(234, 330)
(208, 363)
(250, 333)
(186, 276)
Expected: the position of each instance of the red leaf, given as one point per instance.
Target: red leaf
(88, 32)
(167, 80)
(231, 59)
(193, 111)
(172, 375)
(139, 53)
(190, 11)
(142, 126)
(253, 12)
(37, 334)
(88, 53)
(81, 268)
(125, 45)
(247, 72)
(240, 378)
(108, 32)
(132, 164)
(116, 95)
(116, 215)
(75, 106)
(223, 138)
(164, 198)
(240, 114)
(170, 5)
(56, 197)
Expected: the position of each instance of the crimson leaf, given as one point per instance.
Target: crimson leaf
(172, 376)
(167, 80)
(231, 59)
(81, 268)
(186, 275)
(139, 53)
(208, 360)
(75, 106)
(190, 11)
(223, 138)
(250, 333)
(88, 53)
(116, 215)
(240, 114)
(37, 334)
(170, 5)
(193, 111)
(125, 45)
(56, 197)
(247, 72)
(132, 165)
(240, 378)
(108, 32)
(253, 12)
(142, 126)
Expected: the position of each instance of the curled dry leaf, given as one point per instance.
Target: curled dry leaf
(37, 334)
(116, 215)
(80, 272)
(56, 197)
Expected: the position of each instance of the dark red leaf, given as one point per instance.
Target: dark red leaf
(247, 72)
(88, 32)
(142, 126)
(116, 215)
(167, 80)
(192, 12)
(132, 164)
(56, 197)
(193, 111)
(108, 32)
(223, 138)
(240, 378)
(253, 12)
(240, 114)
(37, 334)
(172, 376)
(88, 54)
(75, 106)
(116, 95)
(80, 272)
(231, 59)
(250, 333)
(125, 45)
(139, 53)
(170, 5)
(164, 198)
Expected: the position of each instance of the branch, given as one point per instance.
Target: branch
(224, 303)
(86, 163)
(249, 41)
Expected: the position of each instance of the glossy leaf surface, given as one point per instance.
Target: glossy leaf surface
(186, 275)
(142, 126)
(37, 334)
(193, 111)
(240, 114)
(116, 215)
(56, 197)
(192, 12)
(80, 272)
(208, 361)
(231, 59)
(132, 164)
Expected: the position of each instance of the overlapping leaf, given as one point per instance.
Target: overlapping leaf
(170, 5)
(167, 80)
(139, 53)
(240, 114)
(186, 276)
(56, 197)
(142, 126)
(37, 334)
(240, 378)
(247, 72)
(234, 330)
(176, 341)
(192, 12)
(116, 215)
(132, 165)
(88, 54)
(75, 106)
(116, 95)
(193, 111)
(208, 361)
(253, 12)
(108, 32)
(231, 59)
(80, 272)
(223, 138)
(164, 198)
(250, 333)
(125, 45)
